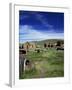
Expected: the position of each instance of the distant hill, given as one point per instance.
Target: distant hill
(52, 41)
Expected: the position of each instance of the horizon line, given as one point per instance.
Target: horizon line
(43, 40)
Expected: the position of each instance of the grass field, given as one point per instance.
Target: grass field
(47, 63)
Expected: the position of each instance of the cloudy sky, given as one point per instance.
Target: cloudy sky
(35, 26)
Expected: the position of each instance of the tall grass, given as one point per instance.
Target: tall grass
(49, 63)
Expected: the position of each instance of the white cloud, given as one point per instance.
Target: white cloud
(27, 33)
(43, 20)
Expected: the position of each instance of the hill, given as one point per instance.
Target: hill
(52, 41)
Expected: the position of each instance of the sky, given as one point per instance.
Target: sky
(36, 26)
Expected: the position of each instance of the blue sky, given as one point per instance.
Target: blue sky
(35, 26)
